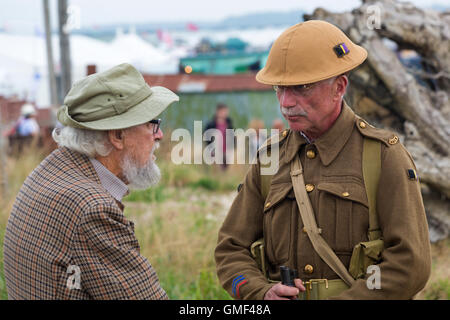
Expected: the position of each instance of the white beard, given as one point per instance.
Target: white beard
(141, 178)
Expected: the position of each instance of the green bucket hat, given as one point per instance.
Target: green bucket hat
(117, 98)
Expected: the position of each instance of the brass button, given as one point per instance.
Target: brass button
(362, 124)
(268, 204)
(309, 187)
(284, 133)
(345, 194)
(393, 140)
(304, 230)
(309, 269)
(310, 154)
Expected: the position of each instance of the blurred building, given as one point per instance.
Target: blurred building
(199, 95)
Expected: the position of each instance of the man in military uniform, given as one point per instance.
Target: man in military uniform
(308, 66)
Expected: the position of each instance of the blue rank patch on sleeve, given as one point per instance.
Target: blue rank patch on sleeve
(412, 174)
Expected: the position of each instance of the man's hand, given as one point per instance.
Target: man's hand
(282, 292)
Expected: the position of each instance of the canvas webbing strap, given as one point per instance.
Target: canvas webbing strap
(309, 222)
(371, 164)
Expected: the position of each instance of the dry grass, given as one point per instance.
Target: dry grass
(438, 286)
(179, 236)
(18, 170)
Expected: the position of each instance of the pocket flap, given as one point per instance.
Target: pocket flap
(277, 193)
(373, 248)
(346, 190)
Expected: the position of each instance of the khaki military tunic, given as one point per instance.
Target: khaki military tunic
(333, 176)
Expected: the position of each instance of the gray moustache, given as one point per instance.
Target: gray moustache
(293, 113)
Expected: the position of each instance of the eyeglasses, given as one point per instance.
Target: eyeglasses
(156, 124)
(298, 90)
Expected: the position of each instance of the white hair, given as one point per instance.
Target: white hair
(88, 142)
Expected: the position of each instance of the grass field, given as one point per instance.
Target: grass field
(176, 224)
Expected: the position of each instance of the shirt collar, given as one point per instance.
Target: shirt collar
(330, 143)
(116, 187)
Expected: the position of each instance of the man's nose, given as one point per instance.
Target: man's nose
(159, 135)
(287, 99)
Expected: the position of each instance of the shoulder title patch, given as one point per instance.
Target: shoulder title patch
(412, 174)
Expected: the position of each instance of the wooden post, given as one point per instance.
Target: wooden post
(64, 45)
(3, 152)
(48, 41)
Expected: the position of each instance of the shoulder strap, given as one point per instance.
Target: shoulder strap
(309, 221)
(371, 165)
(265, 185)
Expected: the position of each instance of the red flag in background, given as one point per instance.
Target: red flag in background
(165, 37)
(191, 26)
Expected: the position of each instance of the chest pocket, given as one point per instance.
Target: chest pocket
(279, 220)
(343, 214)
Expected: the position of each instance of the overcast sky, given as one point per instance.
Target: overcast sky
(27, 14)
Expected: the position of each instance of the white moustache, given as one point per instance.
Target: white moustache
(291, 112)
(155, 146)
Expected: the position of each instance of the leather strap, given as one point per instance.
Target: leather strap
(309, 222)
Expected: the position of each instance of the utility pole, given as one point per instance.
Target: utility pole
(64, 45)
(3, 173)
(48, 41)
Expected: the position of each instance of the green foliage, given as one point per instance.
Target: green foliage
(243, 105)
(153, 194)
(204, 286)
(438, 290)
(3, 293)
(206, 183)
(194, 177)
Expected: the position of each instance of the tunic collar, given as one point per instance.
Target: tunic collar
(330, 143)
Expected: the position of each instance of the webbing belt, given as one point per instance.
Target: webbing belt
(320, 289)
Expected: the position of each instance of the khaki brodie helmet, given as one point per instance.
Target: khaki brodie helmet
(309, 52)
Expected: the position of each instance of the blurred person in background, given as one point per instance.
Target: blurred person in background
(26, 130)
(67, 236)
(28, 126)
(257, 139)
(221, 121)
(278, 124)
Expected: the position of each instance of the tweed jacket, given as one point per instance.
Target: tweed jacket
(67, 238)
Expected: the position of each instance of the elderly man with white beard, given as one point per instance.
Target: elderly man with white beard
(67, 237)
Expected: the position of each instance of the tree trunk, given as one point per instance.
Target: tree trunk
(409, 98)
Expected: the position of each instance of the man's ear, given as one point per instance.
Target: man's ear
(116, 138)
(341, 86)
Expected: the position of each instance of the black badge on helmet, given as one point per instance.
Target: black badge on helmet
(341, 50)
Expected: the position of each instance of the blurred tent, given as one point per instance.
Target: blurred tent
(143, 55)
(23, 64)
